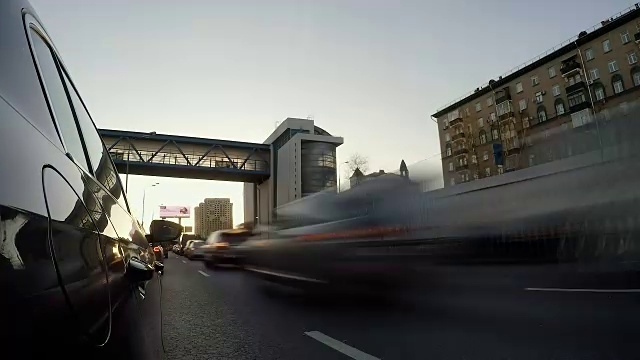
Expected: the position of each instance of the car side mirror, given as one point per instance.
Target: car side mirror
(163, 231)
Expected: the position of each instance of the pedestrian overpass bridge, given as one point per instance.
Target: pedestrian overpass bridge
(154, 154)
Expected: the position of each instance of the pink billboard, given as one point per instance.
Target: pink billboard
(174, 211)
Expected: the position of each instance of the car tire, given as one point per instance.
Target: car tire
(211, 264)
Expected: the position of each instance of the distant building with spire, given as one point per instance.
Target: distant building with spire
(358, 177)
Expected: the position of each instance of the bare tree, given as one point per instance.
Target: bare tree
(357, 161)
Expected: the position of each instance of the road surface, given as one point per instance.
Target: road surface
(476, 313)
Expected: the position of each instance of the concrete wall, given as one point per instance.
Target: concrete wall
(248, 202)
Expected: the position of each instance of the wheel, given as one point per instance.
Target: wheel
(166, 255)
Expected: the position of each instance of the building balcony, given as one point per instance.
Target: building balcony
(460, 151)
(461, 167)
(455, 121)
(512, 145)
(506, 116)
(569, 66)
(580, 85)
(458, 136)
(575, 107)
(502, 95)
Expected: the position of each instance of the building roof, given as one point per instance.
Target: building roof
(357, 173)
(567, 46)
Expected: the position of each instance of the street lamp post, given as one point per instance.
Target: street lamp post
(144, 196)
(126, 180)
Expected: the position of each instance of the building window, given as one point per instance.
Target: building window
(518, 87)
(495, 134)
(542, 114)
(448, 149)
(483, 137)
(474, 158)
(613, 66)
(574, 79)
(618, 85)
(489, 101)
(523, 104)
(635, 75)
(606, 46)
(480, 122)
(588, 54)
(503, 108)
(478, 107)
(552, 72)
(594, 74)
(632, 57)
(599, 92)
(446, 123)
(559, 107)
(447, 137)
(485, 156)
(625, 37)
(539, 98)
(487, 171)
(475, 176)
(466, 111)
(500, 170)
(534, 80)
(576, 99)
(555, 90)
(450, 166)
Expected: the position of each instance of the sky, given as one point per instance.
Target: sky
(370, 71)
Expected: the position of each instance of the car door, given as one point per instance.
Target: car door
(125, 234)
(93, 265)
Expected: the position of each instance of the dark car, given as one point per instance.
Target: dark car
(221, 247)
(158, 251)
(354, 242)
(77, 274)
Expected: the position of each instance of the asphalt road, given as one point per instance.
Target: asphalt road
(458, 313)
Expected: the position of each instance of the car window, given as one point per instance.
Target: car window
(235, 238)
(101, 164)
(58, 101)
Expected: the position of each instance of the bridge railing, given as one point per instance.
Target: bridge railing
(124, 153)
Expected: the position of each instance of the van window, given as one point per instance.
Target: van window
(58, 102)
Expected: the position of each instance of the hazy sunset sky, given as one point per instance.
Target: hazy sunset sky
(370, 71)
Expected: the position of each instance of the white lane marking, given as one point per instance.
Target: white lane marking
(184, 262)
(586, 290)
(203, 273)
(288, 276)
(340, 346)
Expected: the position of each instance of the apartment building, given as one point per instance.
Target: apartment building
(488, 131)
(213, 214)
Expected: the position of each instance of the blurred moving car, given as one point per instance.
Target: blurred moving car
(192, 250)
(182, 245)
(221, 247)
(65, 222)
(354, 241)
